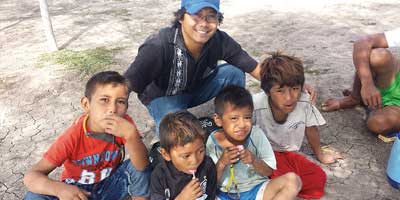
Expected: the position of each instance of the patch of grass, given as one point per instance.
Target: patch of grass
(311, 71)
(120, 12)
(86, 62)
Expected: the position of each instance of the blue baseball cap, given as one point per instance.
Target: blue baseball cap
(193, 6)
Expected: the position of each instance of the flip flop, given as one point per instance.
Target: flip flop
(386, 139)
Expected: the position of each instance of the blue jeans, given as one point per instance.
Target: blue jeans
(222, 76)
(125, 181)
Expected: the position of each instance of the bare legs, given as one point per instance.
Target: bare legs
(283, 187)
(384, 68)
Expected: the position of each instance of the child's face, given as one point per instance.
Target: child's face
(107, 99)
(236, 122)
(284, 99)
(186, 158)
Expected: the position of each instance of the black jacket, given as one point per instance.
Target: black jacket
(164, 67)
(167, 180)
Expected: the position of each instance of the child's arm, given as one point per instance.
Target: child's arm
(121, 127)
(313, 138)
(259, 165)
(37, 181)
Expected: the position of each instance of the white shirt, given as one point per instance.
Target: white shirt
(289, 135)
(393, 37)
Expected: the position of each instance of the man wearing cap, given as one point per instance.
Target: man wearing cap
(177, 68)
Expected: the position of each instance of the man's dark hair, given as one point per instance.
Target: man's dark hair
(178, 129)
(236, 96)
(281, 69)
(102, 78)
(181, 12)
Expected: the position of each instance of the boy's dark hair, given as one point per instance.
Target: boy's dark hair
(281, 69)
(102, 78)
(236, 96)
(179, 128)
(181, 12)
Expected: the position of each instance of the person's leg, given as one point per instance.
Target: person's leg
(312, 176)
(283, 187)
(34, 196)
(385, 120)
(383, 67)
(125, 181)
(161, 106)
(223, 76)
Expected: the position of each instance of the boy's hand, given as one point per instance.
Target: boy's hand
(311, 91)
(230, 156)
(329, 156)
(68, 192)
(119, 126)
(191, 191)
(246, 156)
(371, 96)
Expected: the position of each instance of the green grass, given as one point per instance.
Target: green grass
(85, 62)
(317, 72)
(120, 12)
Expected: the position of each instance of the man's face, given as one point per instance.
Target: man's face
(107, 99)
(186, 158)
(200, 27)
(284, 99)
(236, 122)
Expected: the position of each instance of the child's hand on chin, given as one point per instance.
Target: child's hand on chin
(120, 127)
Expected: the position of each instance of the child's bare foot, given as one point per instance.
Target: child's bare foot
(341, 103)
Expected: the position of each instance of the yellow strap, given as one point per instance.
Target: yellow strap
(231, 178)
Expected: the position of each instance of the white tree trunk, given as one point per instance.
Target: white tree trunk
(48, 28)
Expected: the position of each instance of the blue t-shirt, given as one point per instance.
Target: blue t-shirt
(245, 175)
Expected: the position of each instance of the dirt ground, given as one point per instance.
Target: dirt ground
(37, 104)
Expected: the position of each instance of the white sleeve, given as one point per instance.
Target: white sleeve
(211, 149)
(393, 37)
(266, 152)
(314, 117)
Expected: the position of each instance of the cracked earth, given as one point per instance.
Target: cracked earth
(38, 103)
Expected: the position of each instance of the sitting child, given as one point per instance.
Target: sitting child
(185, 173)
(92, 150)
(285, 114)
(242, 153)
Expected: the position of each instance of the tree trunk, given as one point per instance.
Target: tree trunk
(48, 28)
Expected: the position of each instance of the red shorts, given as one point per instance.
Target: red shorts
(311, 174)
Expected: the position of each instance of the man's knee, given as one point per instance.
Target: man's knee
(380, 59)
(376, 124)
(234, 74)
(383, 123)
